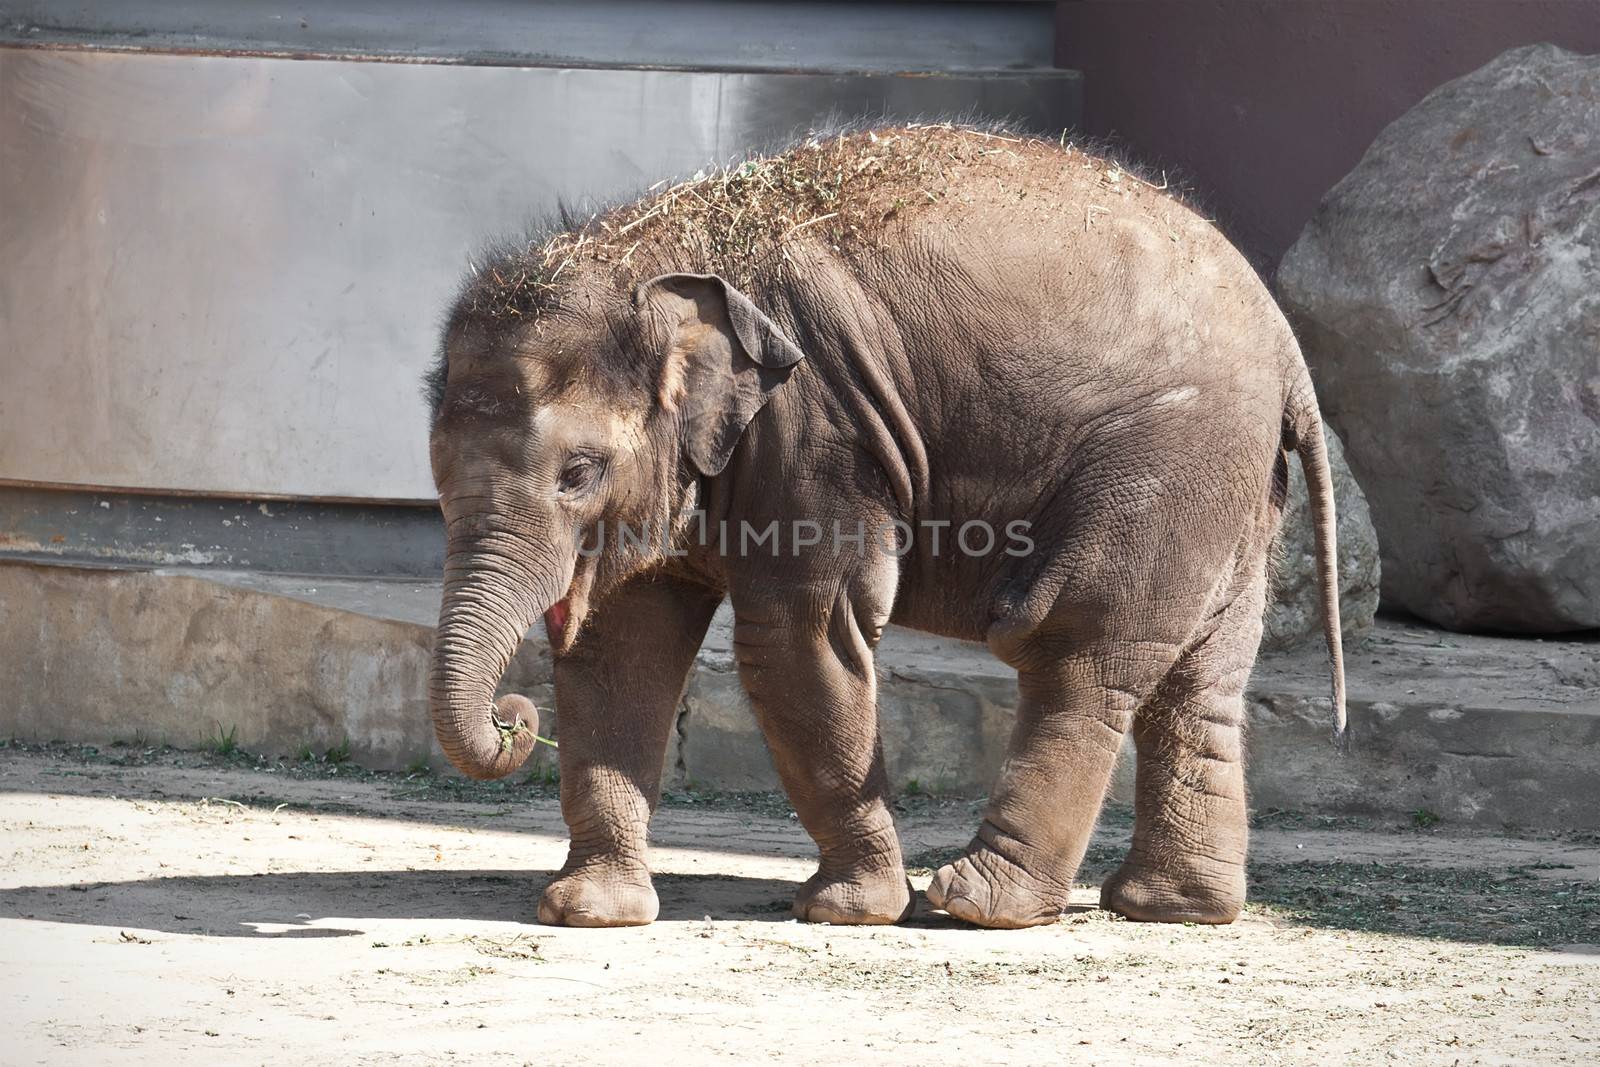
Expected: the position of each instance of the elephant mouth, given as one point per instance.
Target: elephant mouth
(555, 620)
(564, 618)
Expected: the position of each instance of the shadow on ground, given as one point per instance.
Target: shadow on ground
(1533, 905)
(286, 905)
(1509, 906)
(1527, 905)
(1515, 908)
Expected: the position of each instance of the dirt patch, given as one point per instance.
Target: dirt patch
(180, 907)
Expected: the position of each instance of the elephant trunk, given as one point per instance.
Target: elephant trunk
(489, 603)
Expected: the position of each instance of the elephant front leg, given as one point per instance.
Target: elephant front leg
(617, 693)
(814, 691)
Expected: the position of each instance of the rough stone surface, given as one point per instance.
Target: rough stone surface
(92, 655)
(1479, 730)
(1294, 617)
(1447, 293)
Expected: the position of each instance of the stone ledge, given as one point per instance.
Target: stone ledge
(102, 655)
(1480, 730)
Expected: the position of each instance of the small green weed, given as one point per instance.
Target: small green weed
(544, 774)
(224, 742)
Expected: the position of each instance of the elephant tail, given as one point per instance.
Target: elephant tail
(1302, 434)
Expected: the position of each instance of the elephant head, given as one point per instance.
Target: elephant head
(556, 426)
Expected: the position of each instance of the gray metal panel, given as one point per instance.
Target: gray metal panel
(223, 275)
(838, 36)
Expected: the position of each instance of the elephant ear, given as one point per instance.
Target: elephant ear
(724, 360)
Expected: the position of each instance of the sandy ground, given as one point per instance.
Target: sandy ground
(180, 910)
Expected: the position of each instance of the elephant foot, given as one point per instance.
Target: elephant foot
(876, 899)
(987, 889)
(1141, 893)
(600, 896)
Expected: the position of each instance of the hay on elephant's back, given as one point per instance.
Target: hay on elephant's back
(841, 189)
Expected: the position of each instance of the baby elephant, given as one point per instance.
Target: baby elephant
(962, 380)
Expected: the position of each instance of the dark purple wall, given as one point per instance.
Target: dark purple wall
(1265, 104)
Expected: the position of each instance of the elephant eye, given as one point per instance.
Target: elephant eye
(579, 473)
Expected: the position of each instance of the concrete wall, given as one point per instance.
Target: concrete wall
(239, 223)
(1265, 104)
(225, 273)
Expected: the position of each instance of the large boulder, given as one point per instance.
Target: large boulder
(1294, 617)
(1447, 293)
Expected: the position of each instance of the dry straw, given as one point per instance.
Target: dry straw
(840, 190)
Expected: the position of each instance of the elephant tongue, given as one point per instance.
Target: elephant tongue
(555, 621)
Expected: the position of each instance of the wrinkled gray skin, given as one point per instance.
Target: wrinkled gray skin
(1117, 378)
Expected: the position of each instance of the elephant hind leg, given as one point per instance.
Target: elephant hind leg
(1019, 869)
(1136, 585)
(1083, 671)
(1187, 859)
